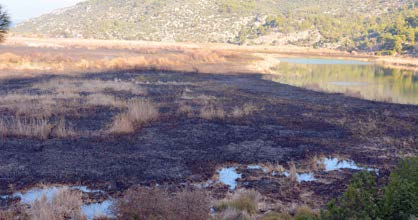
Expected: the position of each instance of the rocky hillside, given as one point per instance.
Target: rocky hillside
(309, 22)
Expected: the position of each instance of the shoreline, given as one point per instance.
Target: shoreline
(404, 62)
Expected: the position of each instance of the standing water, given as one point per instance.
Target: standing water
(229, 176)
(353, 78)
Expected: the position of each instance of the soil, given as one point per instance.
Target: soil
(290, 124)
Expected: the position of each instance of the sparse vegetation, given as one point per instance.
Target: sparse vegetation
(139, 113)
(210, 112)
(243, 111)
(384, 27)
(152, 57)
(66, 204)
(244, 202)
(25, 127)
(142, 203)
(277, 216)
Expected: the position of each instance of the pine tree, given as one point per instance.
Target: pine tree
(4, 23)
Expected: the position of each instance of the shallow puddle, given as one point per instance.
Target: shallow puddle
(229, 176)
(98, 209)
(256, 167)
(90, 210)
(301, 177)
(333, 163)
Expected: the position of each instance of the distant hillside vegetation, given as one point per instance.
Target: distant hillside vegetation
(381, 26)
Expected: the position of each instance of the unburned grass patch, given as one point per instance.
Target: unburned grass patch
(35, 128)
(25, 127)
(138, 113)
(242, 201)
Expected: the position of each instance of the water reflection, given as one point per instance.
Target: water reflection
(229, 176)
(90, 210)
(353, 78)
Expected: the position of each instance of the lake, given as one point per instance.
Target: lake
(353, 78)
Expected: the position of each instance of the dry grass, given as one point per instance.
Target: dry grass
(66, 204)
(25, 127)
(305, 212)
(185, 110)
(292, 172)
(141, 203)
(210, 112)
(122, 124)
(231, 213)
(35, 128)
(35, 114)
(62, 130)
(99, 99)
(245, 110)
(277, 216)
(243, 201)
(15, 212)
(69, 87)
(57, 57)
(139, 113)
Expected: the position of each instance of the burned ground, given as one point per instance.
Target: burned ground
(202, 125)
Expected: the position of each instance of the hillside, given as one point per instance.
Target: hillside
(348, 25)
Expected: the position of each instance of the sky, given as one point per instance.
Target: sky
(20, 10)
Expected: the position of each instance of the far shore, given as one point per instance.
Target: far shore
(267, 53)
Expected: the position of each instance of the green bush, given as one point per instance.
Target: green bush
(400, 200)
(362, 199)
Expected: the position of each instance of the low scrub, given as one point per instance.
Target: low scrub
(363, 198)
(142, 203)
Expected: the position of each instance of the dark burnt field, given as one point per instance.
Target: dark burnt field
(202, 122)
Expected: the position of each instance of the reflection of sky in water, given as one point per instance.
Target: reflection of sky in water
(353, 78)
(256, 167)
(31, 195)
(229, 176)
(336, 164)
(349, 83)
(90, 210)
(98, 209)
(302, 177)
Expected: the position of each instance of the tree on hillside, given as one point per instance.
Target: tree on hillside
(4, 23)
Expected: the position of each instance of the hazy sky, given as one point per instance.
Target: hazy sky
(24, 9)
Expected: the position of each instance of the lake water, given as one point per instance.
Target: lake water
(353, 78)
